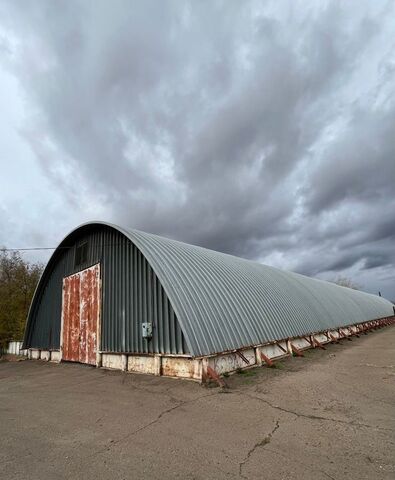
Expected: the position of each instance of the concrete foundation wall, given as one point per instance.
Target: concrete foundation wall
(321, 338)
(142, 364)
(231, 362)
(45, 355)
(301, 343)
(182, 367)
(13, 348)
(112, 360)
(55, 356)
(274, 351)
(35, 354)
(227, 362)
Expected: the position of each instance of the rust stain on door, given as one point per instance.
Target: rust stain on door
(81, 313)
(71, 317)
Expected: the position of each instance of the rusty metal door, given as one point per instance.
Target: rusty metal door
(81, 315)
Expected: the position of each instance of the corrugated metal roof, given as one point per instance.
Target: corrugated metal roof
(224, 302)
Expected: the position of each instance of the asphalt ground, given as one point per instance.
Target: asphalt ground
(329, 415)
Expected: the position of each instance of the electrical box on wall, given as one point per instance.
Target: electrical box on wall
(147, 329)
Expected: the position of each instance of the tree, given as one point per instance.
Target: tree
(18, 280)
(346, 282)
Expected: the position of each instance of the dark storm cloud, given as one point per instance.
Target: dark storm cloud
(262, 130)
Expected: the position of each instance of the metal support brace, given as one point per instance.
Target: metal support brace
(211, 373)
(245, 360)
(281, 348)
(310, 340)
(296, 350)
(267, 360)
(347, 335)
(356, 333)
(332, 338)
(317, 343)
(343, 335)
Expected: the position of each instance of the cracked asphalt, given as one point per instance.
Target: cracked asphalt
(329, 415)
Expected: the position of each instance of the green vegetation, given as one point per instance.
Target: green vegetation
(279, 365)
(18, 280)
(246, 373)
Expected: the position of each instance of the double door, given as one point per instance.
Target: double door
(81, 316)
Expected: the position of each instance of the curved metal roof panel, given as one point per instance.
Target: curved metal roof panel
(224, 302)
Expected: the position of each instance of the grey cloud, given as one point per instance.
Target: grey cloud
(360, 165)
(232, 125)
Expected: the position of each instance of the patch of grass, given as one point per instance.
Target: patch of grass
(279, 365)
(248, 381)
(246, 373)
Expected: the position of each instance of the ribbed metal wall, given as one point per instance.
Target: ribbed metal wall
(132, 294)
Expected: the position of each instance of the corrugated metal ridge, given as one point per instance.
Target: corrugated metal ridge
(224, 302)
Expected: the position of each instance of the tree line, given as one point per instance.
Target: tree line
(18, 281)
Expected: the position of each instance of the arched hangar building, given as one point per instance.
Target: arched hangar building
(120, 298)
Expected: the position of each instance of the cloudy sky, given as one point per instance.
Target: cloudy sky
(262, 129)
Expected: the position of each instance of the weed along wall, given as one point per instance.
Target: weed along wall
(119, 298)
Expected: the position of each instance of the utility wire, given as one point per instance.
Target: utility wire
(49, 248)
(25, 249)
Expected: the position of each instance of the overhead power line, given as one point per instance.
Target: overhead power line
(31, 248)
(25, 249)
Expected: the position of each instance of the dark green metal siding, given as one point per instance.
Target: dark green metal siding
(131, 295)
